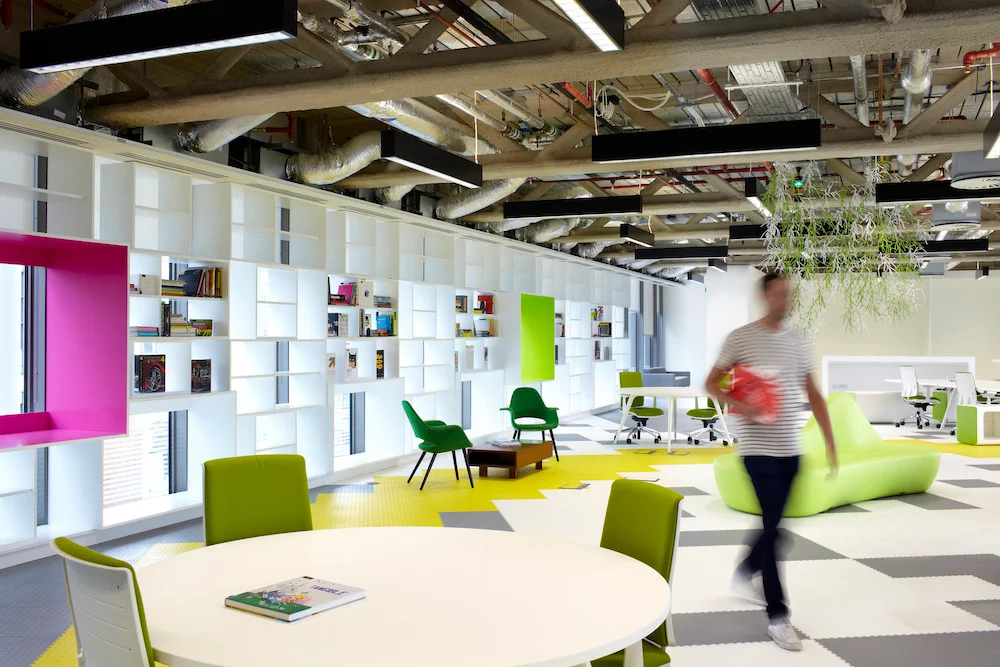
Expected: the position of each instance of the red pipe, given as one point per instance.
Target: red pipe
(775, 8)
(288, 129)
(709, 79)
(7, 13)
(577, 95)
(972, 56)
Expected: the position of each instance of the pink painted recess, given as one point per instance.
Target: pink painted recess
(86, 329)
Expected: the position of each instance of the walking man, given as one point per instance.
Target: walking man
(771, 451)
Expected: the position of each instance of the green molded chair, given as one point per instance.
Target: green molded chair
(870, 467)
(639, 412)
(106, 607)
(642, 522)
(527, 403)
(709, 417)
(437, 438)
(250, 496)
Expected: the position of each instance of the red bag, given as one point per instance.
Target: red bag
(751, 388)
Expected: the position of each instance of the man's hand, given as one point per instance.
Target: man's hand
(822, 415)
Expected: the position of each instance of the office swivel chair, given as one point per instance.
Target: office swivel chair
(911, 394)
(639, 413)
(709, 418)
(966, 392)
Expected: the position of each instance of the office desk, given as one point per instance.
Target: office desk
(671, 394)
(989, 386)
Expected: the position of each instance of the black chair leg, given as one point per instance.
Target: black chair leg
(429, 466)
(454, 459)
(468, 469)
(554, 448)
(419, 461)
(517, 435)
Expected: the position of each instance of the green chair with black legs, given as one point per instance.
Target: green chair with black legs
(639, 412)
(642, 522)
(527, 403)
(251, 496)
(437, 438)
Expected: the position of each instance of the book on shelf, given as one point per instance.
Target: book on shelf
(337, 325)
(366, 324)
(352, 364)
(380, 363)
(560, 326)
(141, 332)
(597, 350)
(345, 295)
(165, 319)
(331, 363)
(486, 327)
(150, 373)
(202, 327)
(604, 329)
(172, 287)
(382, 303)
(465, 333)
(180, 327)
(484, 304)
(461, 303)
(149, 284)
(384, 325)
(201, 376)
(486, 356)
(296, 598)
(365, 294)
(470, 357)
(607, 353)
(206, 282)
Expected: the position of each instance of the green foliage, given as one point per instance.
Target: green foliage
(837, 241)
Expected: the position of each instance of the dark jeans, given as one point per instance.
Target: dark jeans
(772, 479)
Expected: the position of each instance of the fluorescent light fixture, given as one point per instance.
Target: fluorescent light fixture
(954, 246)
(411, 152)
(155, 34)
(750, 232)
(696, 277)
(892, 194)
(984, 272)
(636, 235)
(602, 21)
(753, 191)
(991, 138)
(692, 252)
(571, 208)
(716, 140)
(718, 265)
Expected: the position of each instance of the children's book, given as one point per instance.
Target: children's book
(296, 598)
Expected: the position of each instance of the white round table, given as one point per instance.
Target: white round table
(436, 597)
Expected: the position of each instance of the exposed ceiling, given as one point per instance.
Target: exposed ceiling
(686, 63)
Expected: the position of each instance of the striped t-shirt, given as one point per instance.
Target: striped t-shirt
(780, 355)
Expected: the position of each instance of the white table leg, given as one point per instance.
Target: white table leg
(625, 410)
(671, 423)
(951, 409)
(633, 655)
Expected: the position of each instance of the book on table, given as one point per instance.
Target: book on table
(296, 598)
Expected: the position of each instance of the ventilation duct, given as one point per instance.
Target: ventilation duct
(354, 43)
(361, 16)
(860, 73)
(425, 123)
(20, 87)
(213, 134)
(916, 81)
(468, 201)
(393, 193)
(547, 230)
(337, 164)
(593, 249)
(972, 171)
(955, 217)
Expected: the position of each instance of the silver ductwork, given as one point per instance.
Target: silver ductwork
(514, 108)
(860, 73)
(337, 164)
(593, 249)
(20, 87)
(509, 130)
(422, 121)
(360, 15)
(353, 43)
(916, 81)
(393, 193)
(468, 201)
(547, 230)
(210, 135)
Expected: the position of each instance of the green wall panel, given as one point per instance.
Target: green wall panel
(538, 338)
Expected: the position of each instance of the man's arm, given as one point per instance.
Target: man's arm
(713, 389)
(818, 405)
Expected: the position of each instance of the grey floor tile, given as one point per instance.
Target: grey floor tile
(570, 437)
(984, 566)
(721, 627)
(341, 488)
(689, 491)
(686, 515)
(988, 610)
(575, 487)
(792, 548)
(929, 501)
(971, 483)
(563, 448)
(483, 520)
(134, 547)
(846, 509)
(988, 466)
(968, 649)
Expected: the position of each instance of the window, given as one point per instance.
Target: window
(12, 339)
(149, 462)
(349, 424)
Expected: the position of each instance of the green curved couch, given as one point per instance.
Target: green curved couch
(870, 467)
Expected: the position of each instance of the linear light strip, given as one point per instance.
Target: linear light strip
(594, 31)
(431, 171)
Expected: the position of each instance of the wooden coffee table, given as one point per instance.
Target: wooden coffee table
(512, 458)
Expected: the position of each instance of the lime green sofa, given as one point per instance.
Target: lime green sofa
(870, 467)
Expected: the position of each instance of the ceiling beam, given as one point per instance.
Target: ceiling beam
(546, 21)
(430, 33)
(566, 142)
(677, 47)
(948, 137)
(831, 112)
(477, 21)
(702, 202)
(727, 189)
(325, 53)
(132, 77)
(223, 62)
(662, 14)
(842, 169)
(685, 232)
(929, 168)
(941, 107)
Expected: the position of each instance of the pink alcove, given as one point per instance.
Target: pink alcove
(86, 330)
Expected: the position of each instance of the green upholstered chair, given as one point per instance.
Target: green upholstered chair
(639, 412)
(709, 417)
(642, 522)
(437, 438)
(250, 496)
(870, 467)
(106, 608)
(526, 403)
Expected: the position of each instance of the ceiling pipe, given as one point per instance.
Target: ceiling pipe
(860, 73)
(337, 164)
(360, 15)
(509, 130)
(211, 135)
(709, 80)
(21, 88)
(471, 200)
(393, 193)
(916, 81)
(972, 56)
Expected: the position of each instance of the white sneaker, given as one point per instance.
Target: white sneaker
(749, 588)
(783, 634)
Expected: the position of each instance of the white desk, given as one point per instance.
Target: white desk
(671, 394)
(437, 597)
(989, 386)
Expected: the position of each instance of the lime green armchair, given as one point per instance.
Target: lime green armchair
(870, 467)
(527, 403)
(437, 438)
(639, 412)
(250, 496)
(642, 522)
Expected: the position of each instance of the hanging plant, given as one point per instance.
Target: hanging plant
(836, 240)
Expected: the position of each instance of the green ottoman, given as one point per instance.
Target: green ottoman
(870, 467)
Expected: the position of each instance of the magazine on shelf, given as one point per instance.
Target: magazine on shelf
(296, 598)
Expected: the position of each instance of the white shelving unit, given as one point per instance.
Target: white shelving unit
(147, 208)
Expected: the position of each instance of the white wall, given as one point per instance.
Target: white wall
(684, 324)
(733, 301)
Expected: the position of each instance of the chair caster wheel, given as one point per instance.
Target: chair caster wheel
(628, 441)
(657, 439)
(939, 425)
(725, 443)
(898, 424)
(953, 433)
(697, 442)
(690, 440)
